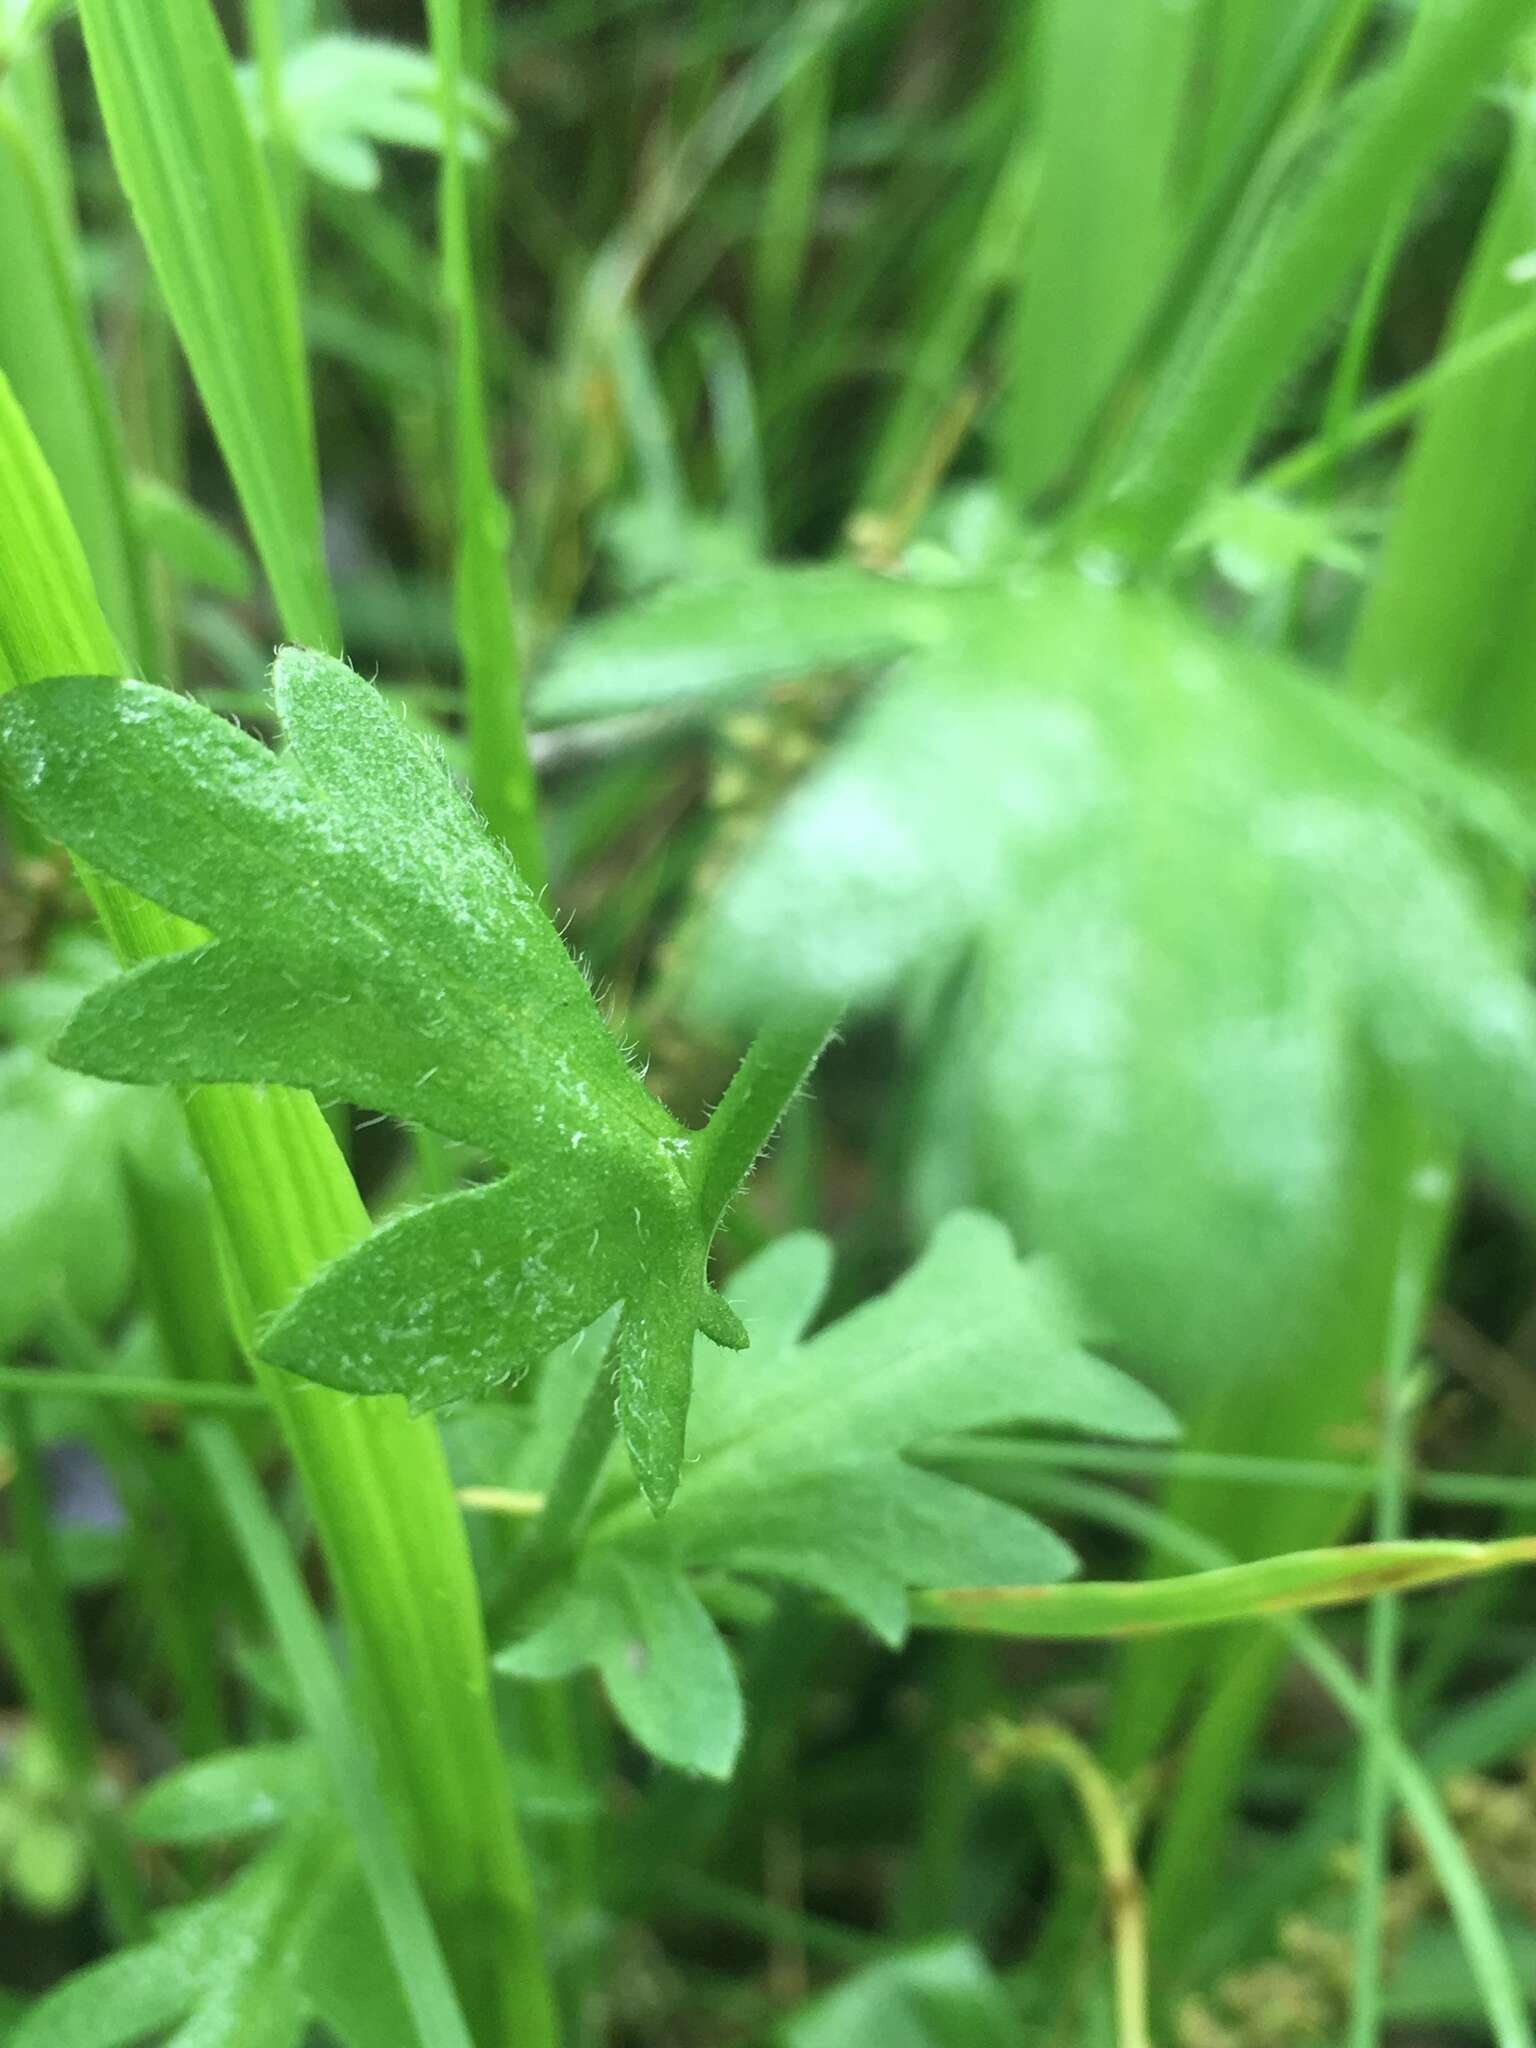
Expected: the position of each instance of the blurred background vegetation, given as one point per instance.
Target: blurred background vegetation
(901, 289)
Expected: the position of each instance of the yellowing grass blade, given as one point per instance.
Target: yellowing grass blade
(1243, 1592)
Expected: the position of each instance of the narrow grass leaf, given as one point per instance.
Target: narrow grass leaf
(47, 353)
(798, 1471)
(500, 767)
(413, 1943)
(1234, 355)
(49, 615)
(204, 204)
(1110, 128)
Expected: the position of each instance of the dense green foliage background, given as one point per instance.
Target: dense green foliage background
(1006, 526)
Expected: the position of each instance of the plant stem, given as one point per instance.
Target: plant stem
(1043, 1742)
(1395, 408)
(762, 1087)
(38, 1384)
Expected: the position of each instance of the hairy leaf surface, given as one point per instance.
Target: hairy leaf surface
(375, 945)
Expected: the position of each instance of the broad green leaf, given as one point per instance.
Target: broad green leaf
(1273, 1585)
(696, 645)
(66, 1140)
(203, 202)
(346, 96)
(226, 1967)
(375, 945)
(1190, 890)
(797, 1472)
(239, 1792)
(668, 1674)
(941, 1996)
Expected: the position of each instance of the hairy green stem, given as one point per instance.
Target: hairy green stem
(762, 1087)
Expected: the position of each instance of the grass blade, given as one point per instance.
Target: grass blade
(1483, 1943)
(46, 351)
(501, 770)
(1108, 126)
(1217, 384)
(408, 1929)
(1243, 1592)
(204, 205)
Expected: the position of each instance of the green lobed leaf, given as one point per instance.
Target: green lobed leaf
(375, 945)
(346, 96)
(797, 1472)
(1189, 891)
(641, 1626)
(697, 645)
(227, 1966)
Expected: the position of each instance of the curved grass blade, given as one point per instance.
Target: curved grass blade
(408, 1929)
(1482, 1940)
(1244, 1592)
